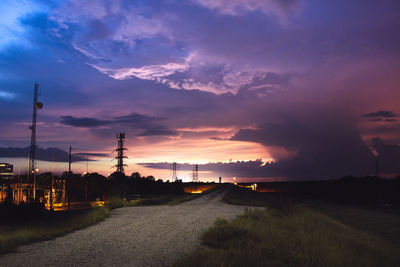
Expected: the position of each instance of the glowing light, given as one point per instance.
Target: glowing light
(251, 187)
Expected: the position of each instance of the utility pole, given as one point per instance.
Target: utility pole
(51, 184)
(69, 159)
(32, 171)
(51, 192)
(69, 178)
(87, 161)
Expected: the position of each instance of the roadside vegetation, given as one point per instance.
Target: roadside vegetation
(287, 234)
(381, 223)
(45, 225)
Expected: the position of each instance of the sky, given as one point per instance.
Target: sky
(259, 90)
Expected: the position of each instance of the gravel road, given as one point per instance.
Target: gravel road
(132, 236)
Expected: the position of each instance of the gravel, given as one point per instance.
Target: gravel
(132, 236)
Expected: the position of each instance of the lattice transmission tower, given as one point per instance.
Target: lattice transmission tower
(120, 154)
(196, 173)
(174, 172)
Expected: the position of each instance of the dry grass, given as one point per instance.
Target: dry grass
(303, 238)
(284, 234)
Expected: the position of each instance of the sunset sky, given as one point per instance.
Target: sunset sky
(228, 84)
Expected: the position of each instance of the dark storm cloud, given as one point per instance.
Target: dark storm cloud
(93, 154)
(238, 168)
(381, 113)
(149, 126)
(46, 154)
(83, 122)
(138, 119)
(388, 156)
(325, 144)
(321, 145)
(384, 120)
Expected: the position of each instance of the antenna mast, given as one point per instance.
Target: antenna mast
(32, 171)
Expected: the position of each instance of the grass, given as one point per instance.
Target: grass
(284, 234)
(47, 227)
(242, 196)
(382, 224)
(379, 223)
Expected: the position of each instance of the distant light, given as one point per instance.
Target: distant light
(36, 170)
(84, 173)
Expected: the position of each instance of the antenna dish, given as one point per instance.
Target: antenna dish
(38, 105)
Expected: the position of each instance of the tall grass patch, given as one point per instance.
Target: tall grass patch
(302, 238)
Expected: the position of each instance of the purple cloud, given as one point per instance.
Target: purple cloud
(241, 7)
(381, 113)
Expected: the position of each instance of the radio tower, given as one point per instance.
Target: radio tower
(120, 153)
(196, 173)
(32, 171)
(174, 175)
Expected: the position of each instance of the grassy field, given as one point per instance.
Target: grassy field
(379, 223)
(285, 234)
(47, 227)
(51, 225)
(376, 222)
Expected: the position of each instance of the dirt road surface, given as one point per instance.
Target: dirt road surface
(132, 236)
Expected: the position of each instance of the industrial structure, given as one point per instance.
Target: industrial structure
(174, 172)
(68, 192)
(6, 171)
(120, 154)
(196, 173)
(32, 170)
